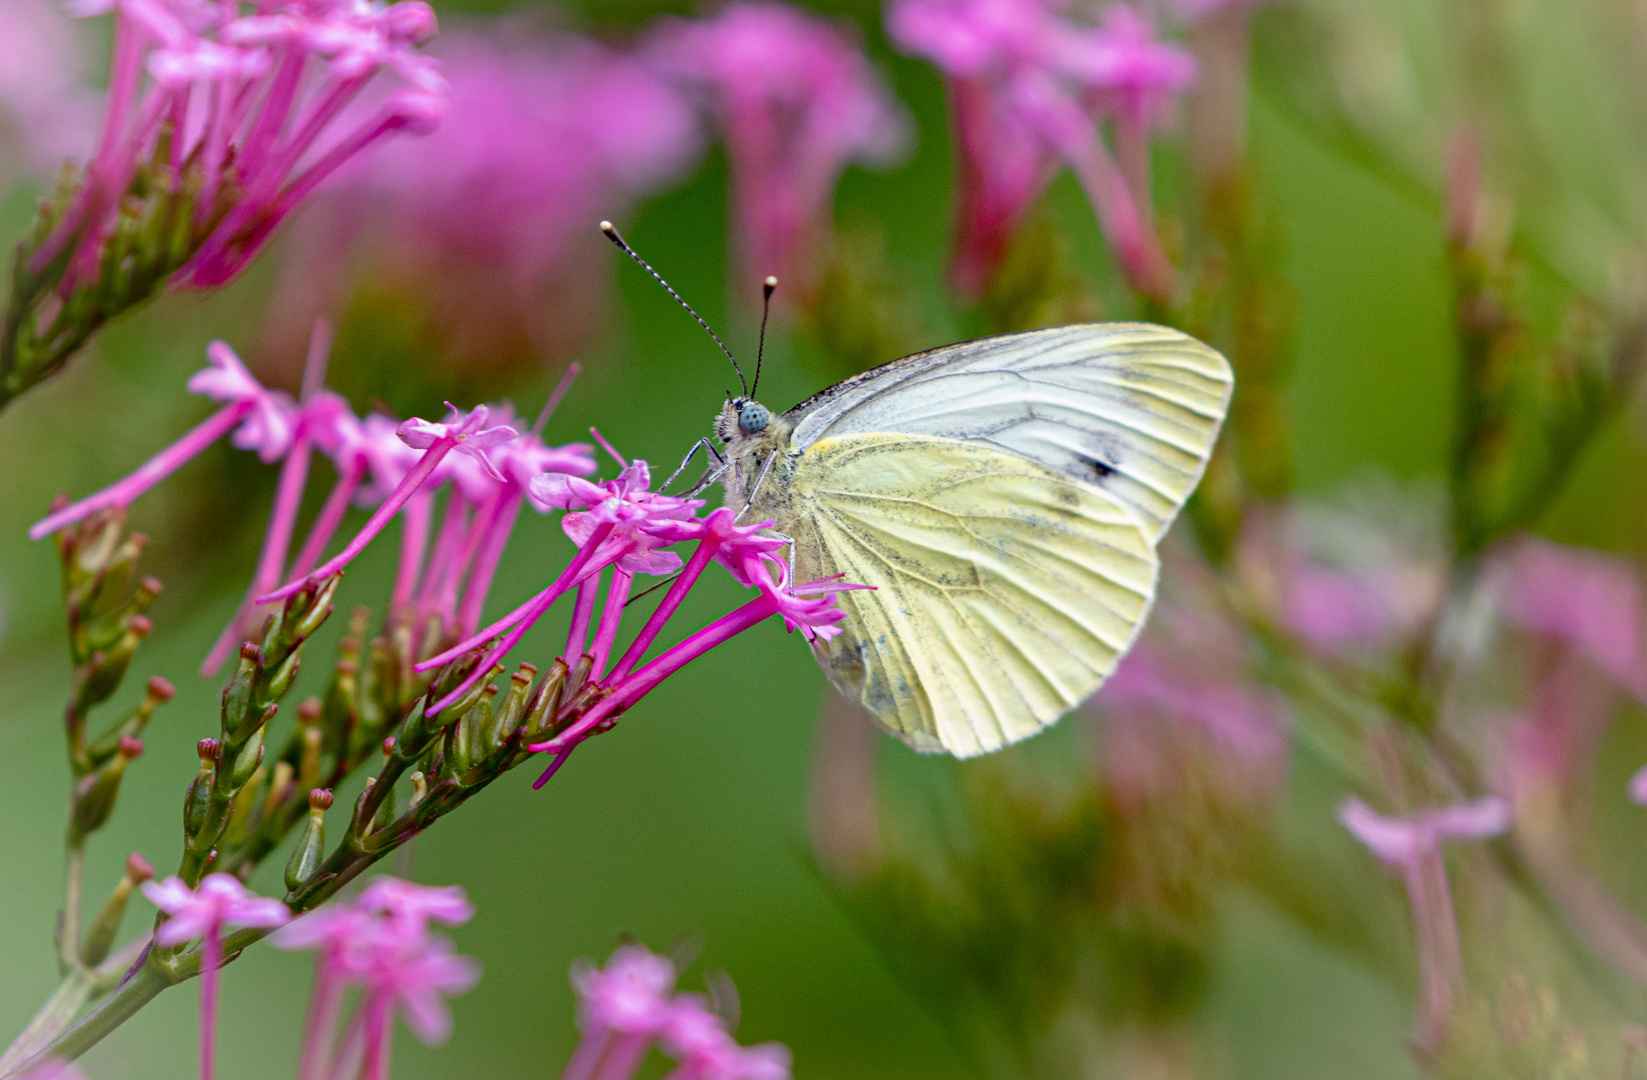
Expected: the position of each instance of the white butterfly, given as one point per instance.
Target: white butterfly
(1005, 497)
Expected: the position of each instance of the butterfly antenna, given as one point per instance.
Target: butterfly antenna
(611, 232)
(769, 286)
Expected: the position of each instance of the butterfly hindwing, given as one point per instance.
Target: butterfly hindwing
(1005, 592)
(1131, 408)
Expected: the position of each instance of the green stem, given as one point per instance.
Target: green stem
(60, 1009)
(68, 935)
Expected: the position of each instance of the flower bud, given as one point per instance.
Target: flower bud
(101, 676)
(237, 696)
(95, 795)
(250, 757)
(338, 714)
(101, 934)
(545, 703)
(311, 842)
(420, 788)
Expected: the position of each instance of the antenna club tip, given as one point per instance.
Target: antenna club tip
(771, 282)
(608, 228)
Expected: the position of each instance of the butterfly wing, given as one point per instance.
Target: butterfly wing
(1131, 408)
(1004, 591)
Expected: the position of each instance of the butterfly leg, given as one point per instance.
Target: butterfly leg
(760, 478)
(708, 478)
(789, 582)
(702, 444)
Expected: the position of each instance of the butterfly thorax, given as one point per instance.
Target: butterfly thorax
(751, 435)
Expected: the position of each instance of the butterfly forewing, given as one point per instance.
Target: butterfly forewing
(1005, 592)
(1128, 407)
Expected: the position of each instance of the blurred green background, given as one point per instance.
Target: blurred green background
(689, 820)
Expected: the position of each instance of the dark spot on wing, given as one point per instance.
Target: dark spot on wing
(1102, 470)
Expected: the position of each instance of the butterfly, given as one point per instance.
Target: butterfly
(1004, 497)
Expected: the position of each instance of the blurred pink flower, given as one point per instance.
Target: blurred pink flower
(380, 942)
(545, 137)
(796, 101)
(1412, 846)
(43, 96)
(1587, 599)
(1029, 89)
(220, 901)
(627, 1006)
(52, 1069)
(486, 228)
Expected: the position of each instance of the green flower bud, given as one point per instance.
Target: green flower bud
(311, 843)
(250, 757)
(237, 696)
(98, 679)
(101, 934)
(197, 803)
(95, 795)
(545, 703)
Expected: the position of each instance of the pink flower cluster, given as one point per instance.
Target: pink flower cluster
(544, 137)
(621, 528)
(630, 1005)
(380, 943)
(1030, 90)
(796, 101)
(248, 100)
(401, 468)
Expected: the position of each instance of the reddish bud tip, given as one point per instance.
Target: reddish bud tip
(152, 585)
(249, 650)
(161, 689)
(388, 746)
(139, 540)
(59, 503)
(130, 747)
(138, 869)
(347, 667)
(491, 690)
(309, 711)
(525, 675)
(207, 749)
(320, 799)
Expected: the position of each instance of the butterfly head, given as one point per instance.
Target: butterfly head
(742, 418)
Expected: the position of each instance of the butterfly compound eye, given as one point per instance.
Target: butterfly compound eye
(752, 418)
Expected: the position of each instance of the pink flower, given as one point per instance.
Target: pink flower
(1412, 846)
(1029, 88)
(264, 421)
(1589, 600)
(220, 901)
(414, 982)
(638, 521)
(796, 101)
(381, 943)
(627, 1006)
(1638, 786)
(1406, 840)
(43, 98)
(268, 425)
(411, 907)
(249, 102)
(468, 432)
(698, 1039)
(629, 995)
